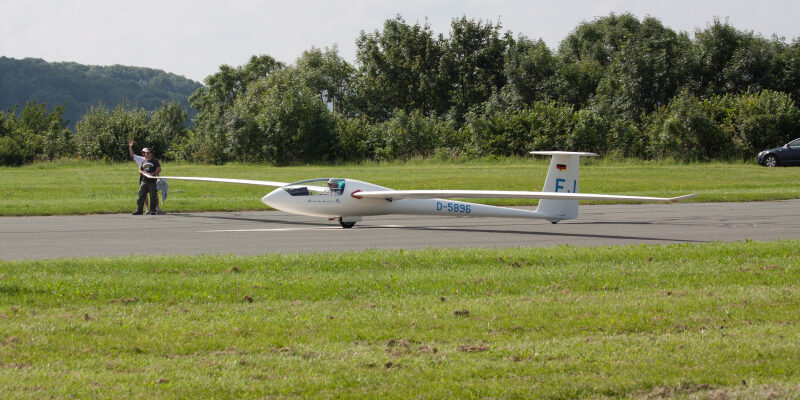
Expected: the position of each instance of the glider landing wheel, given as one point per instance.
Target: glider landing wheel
(770, 161)
(553, 222)
(346, 225)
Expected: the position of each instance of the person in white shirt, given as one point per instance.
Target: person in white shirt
(138, 159)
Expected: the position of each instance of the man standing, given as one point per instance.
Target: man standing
(149, 165)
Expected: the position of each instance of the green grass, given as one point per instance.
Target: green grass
(710, 321)
(80, 187)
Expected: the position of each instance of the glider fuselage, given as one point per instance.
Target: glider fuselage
(325, 203)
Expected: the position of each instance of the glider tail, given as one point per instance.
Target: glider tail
(563, 177)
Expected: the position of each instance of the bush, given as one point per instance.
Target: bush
(759, 121)
(685, 130)
(590, 132)
(408, 135)
(33, 134)
(356, 138)
(545, 126)
(104, 134)
(12, 153)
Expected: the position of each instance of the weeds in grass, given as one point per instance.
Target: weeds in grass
(565, 322)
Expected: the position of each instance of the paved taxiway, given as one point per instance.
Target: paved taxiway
(278, 232)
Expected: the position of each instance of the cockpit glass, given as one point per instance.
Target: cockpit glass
(316, 187)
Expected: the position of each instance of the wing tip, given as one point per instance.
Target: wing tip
(564, 153)
(682, 198)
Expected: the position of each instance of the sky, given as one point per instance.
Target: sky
(194, 37)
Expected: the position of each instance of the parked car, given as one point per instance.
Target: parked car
(788, 154)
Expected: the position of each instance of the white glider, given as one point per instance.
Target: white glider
(348, 200)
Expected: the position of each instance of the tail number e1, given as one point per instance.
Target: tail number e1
(453, 207)
(560, 185)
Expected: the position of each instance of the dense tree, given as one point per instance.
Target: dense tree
(729, 61)
(576, 83)
(754, 66)
(599, 40)
(281, 121)
(398, 70)
(789, 77)
(215, 120)
(328, 74)
(226, 85)
(648, 71)
(530, 68)
(473, 62)
(715, 46)
(586, 53)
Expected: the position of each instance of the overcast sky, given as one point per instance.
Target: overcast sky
(193, 38)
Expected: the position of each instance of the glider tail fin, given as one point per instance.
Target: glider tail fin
(562, 176)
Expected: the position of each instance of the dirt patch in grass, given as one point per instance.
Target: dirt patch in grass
(424, 348)
(461, 313)
(709, 392)
(228, 352)
(767, 268)
(233, 270)
(10, 340)
(14, 365)
(512, 263)
(399, 347)
(128, 300)
(468, 348)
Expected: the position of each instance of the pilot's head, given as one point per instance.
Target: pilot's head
(333, 183)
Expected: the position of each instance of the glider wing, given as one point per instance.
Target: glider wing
(225, 180)
(239, 181)
(504, 194)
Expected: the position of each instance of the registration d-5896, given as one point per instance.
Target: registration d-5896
(459, 208)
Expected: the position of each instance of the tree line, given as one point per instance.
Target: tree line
(78, 87)
(616, 85)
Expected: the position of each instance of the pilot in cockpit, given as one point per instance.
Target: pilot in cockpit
(335, 186)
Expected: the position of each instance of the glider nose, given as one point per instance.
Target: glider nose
(276, 198)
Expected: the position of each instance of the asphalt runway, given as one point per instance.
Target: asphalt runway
(278, 232)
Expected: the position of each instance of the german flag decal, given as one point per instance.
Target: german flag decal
(561, 167)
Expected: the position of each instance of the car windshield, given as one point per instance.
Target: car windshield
(316, 187)
(794, 143)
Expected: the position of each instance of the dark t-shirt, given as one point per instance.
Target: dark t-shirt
(150, 166)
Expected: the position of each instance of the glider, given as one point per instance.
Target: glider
(348, 200)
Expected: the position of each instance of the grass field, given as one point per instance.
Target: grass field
(80, 187)
(709, 321)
